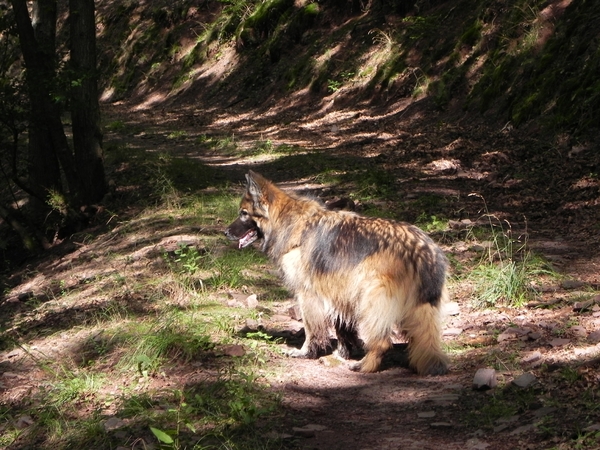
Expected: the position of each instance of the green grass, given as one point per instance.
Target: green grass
(148, 325)
(506, 272)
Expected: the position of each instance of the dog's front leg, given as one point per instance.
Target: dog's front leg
(315, 328)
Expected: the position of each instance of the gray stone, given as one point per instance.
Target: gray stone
(451, 309)
(484, 379)
(526, 380)
(559, 342)
(426, 415)
(534, 358)
(572, 284)
(476, 444)
(23, 422)
(594, 427)
(252, 301)
(542, 412)
(452, 331)
(594, 337)
(523, 429)
(113, 423)
(295, 313)
(233, 350)
(578, 331)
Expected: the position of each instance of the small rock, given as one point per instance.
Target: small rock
(582, 306)
(512, 333)
(252, 301)
(295, 312)
(252, 324)
(578, 331)
(451, 309)
(330, 360)
(426, 415)
(534, 335)
(542, 412)
(523, 429)
(559, 342)
(440, 425)
(526, 380)
(452, 332)
(594, 427)
(532, 359)
(233, 350)
(113, 423)
(484, 379)
(460, 225)
(476, 444)
(280, 318)
(23, 422)
(594, 337)
(572, 284)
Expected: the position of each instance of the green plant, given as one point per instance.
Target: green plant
(172, 438)
(431, 224)
(506, 269)
(116, 125)
(188, 258)
(179, 134)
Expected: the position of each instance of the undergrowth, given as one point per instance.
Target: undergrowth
(507, 269)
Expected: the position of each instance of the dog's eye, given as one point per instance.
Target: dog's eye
(243, 213)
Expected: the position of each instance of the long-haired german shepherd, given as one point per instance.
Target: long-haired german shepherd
(365, 276)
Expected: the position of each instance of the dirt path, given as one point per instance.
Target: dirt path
(426, 165)
(329, 407)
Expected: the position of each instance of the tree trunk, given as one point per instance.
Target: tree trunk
(48, 146)
(85, 109)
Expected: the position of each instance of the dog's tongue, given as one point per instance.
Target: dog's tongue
(247, 238)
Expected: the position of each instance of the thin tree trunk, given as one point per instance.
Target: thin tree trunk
(85, 109)
(48, 146)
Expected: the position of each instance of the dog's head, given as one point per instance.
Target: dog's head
(254, 211)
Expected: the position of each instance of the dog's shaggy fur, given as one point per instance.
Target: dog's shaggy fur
(365, 276)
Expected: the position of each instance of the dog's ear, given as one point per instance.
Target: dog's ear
(255, 183)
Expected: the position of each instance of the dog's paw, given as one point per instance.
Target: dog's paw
(297, 353)
(355, 366)
(341, 355)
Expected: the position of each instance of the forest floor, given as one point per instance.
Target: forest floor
(409, 161)
(545, 192)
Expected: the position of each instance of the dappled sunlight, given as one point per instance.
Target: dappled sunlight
(152, 318)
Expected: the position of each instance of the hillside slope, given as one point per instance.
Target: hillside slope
(514, 62)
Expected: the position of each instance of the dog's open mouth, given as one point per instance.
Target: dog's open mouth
(248, 238)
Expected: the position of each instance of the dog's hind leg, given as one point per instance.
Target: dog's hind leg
(347, 337)
(372, 360)
(376, 319)
(314, 316)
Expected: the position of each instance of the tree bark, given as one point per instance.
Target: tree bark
(85, 109)
(48, 146)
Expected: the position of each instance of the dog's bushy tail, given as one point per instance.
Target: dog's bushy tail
(423, 329)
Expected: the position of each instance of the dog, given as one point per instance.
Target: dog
(368, 277)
